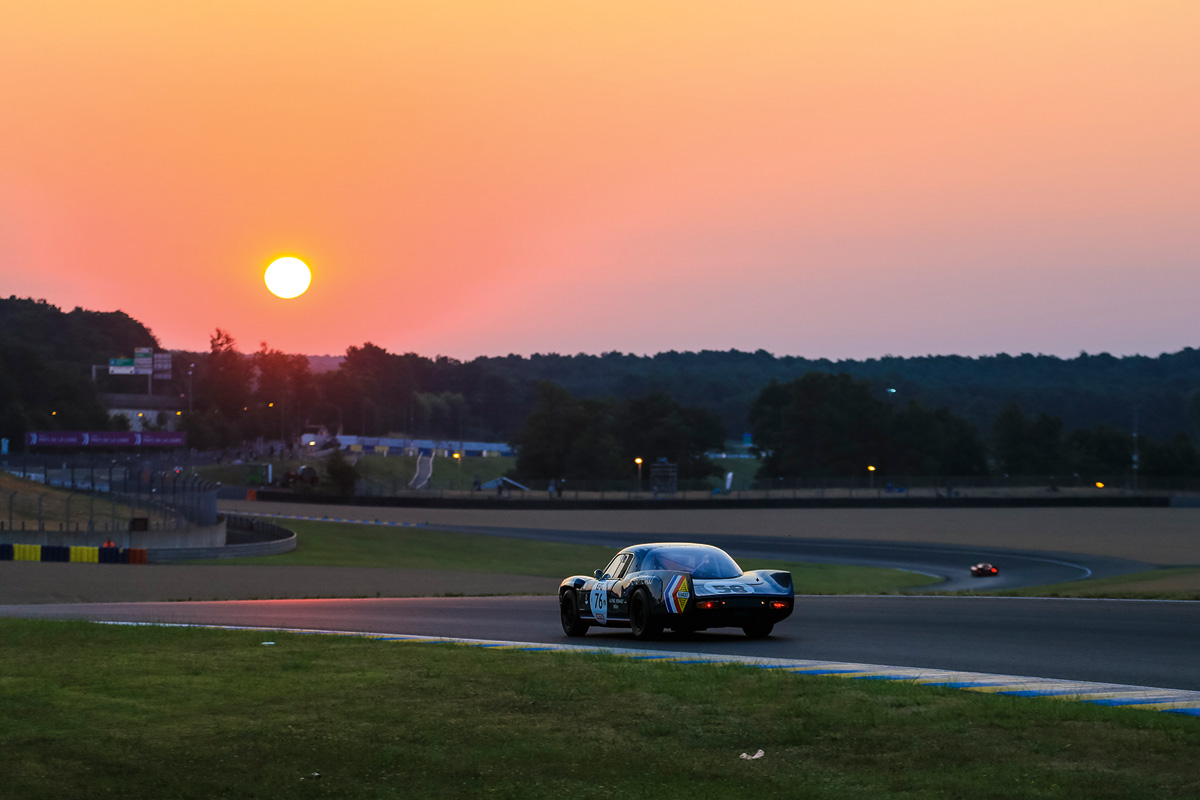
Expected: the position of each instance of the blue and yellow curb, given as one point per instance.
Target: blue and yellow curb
(1174, 701)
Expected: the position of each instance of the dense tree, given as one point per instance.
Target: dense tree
(46, 360)
(1098, 451)
(588, 439)
(565, 437)
(283, 393)
(342, 474)
(657, 427)
(936, 442)
(823, 425)
(1176, 457)
(1027, 446)
(819, 425)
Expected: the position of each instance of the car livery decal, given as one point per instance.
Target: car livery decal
(677, 594)
(733, 586)
(598, 601)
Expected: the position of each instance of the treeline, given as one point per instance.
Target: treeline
(933, 415)
(586, 439)
(45, 365)
(823, 425)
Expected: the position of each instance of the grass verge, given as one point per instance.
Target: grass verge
(99, 711)
(336, 544)
(1168, 583)
(28, 502)
(393, 473)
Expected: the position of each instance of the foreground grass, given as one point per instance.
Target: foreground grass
(336, 544)
(97, 711)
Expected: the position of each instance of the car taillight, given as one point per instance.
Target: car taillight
(706, 604)
(778, 605)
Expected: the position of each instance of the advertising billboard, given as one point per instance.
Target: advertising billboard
(106, 439)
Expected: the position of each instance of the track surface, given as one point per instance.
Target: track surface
(1018, 569)
(1138, 643)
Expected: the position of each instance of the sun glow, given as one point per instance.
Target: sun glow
(288, 277)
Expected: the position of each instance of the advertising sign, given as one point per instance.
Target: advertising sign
(106, 439)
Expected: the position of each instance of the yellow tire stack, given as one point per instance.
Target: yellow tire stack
(27, 552)
(85, 555)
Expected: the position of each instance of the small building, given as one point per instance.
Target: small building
(146, 411)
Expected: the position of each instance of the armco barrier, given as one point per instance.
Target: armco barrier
(27, 552)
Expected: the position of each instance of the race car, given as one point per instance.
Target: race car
(686, 587)
(983, 570)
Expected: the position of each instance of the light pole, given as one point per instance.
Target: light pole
(871, 472)
(638, 461)
(191, 368)
(458, 478)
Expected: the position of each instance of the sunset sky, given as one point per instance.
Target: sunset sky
(843, 179)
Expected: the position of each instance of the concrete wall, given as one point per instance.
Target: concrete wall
(271, 548)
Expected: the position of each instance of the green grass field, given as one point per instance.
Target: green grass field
(90, 711)
(743, 470)
(1171, 583)
(338, 544)
(237, 474)
(24, 501)
(394, 473)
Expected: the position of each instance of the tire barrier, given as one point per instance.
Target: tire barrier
(27, 552)
(73, 554)
(55, 553)
(85, 555)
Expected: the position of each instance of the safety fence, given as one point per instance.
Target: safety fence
(111, 495)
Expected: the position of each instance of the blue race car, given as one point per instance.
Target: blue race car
(685, 587)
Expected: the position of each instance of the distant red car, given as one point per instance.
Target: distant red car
(983, 570)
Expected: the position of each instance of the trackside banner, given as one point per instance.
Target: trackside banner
(105, 439)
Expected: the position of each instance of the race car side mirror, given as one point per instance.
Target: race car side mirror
(599, 575)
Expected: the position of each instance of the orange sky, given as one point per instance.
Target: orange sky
(837, 179)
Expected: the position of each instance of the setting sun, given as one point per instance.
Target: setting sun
(288, 277)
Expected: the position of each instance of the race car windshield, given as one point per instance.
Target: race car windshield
(701, 562)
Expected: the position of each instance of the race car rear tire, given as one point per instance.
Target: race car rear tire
(758, 630)
(641, 619)
(568, 607)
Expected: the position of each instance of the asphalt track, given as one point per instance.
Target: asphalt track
(951, 563)
(1145, 643)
